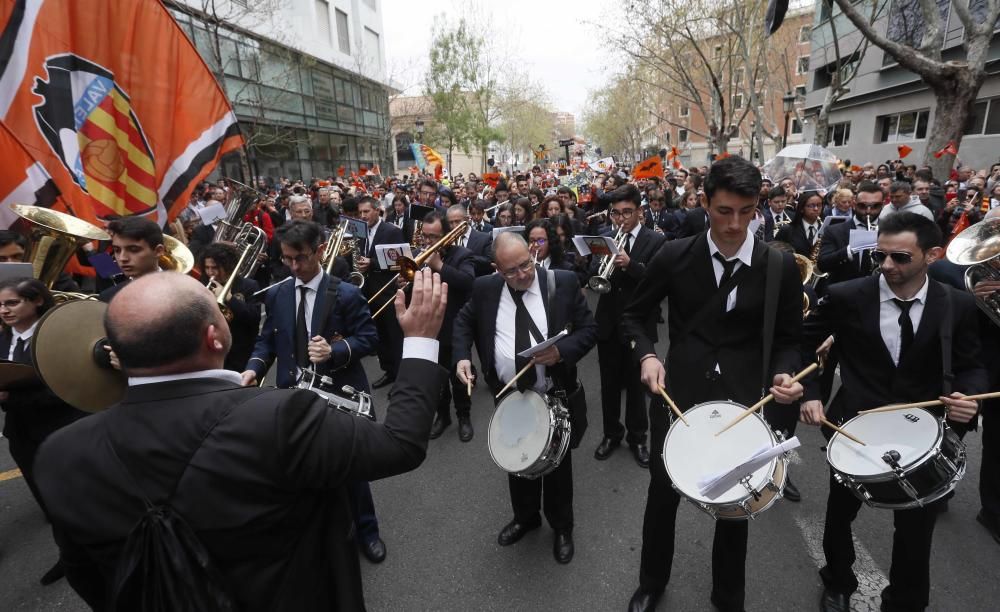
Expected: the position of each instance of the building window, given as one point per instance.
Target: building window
(906, 24)
(838, 133)
(796, 126)
(800, 92)
(737, 101)
(370, 4)
(805, 33)
(343, 32)
(985, 118)
(373, 50)
(802, 66)
(902, 126)
(825, 10)
(684, 110)
(682, 136)
(323, 20)
(738, 76)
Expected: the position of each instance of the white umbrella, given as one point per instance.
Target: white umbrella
(810, 166)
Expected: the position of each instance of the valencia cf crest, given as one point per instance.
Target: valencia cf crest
(88, 121)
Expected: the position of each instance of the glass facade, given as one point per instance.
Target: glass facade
(302, 118)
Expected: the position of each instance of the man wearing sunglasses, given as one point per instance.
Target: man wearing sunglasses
(619, 368)
(887, 333)
(835, 258)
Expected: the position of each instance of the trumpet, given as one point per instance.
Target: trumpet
(601, 282)
(408, 267)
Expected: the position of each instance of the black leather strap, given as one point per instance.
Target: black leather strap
(772, 288)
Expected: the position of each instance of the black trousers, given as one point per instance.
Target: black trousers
(782, 417)
(620, 370)
(456, 390)
(729, 547)
(390, 340)
(909, 574)
(989, 471)
(552, 494)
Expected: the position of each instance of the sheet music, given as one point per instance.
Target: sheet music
(862, 239)
(714, 485)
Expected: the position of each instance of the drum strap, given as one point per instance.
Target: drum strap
(772, 285)
(946, 332)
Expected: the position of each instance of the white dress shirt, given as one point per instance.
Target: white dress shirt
(371, 236)
(814, 226)
(635, 235)
(313, 286)
(25, 335)
(888, 319)
(744, 254)
(503, 350)
(545, 263)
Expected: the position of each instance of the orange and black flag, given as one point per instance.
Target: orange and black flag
(114, 101)
(648, 168)
(22, 180)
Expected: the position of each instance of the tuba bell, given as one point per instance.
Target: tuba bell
(54, 237)
(177, 257)
(978, 247)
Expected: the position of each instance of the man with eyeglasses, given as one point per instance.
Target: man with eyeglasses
(619, 368)
(836, 258)
(508, 313)
(887, 333)
(478, 242)
(318, 322)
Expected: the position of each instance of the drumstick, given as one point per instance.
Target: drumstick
(516, 376)
(892, 407)
(767, 398)
(673, 406)
(841, 431)
(469, 383)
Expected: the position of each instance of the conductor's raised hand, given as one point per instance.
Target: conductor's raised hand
(653, 375)
(428, 302)
(784, 390)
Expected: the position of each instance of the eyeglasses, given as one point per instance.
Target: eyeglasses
(625, 214)
(298, 259)
(539, 241)
(898, 257)
(522, 268)
(11, 304)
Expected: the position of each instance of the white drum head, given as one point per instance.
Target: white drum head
(694, 453)
(911, 433)
(519, 430)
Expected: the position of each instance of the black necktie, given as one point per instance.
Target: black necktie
(301, 332)
(628, 244)
(728, 265)
(522, 323)
(812, 234)
(19, 351)
(905, 326)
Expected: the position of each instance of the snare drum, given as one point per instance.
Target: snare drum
(529, 433)
(348, 399)
(692, 453)
(910, 458)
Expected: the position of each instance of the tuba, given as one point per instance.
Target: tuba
(601, 282)
(176, 257)
(978, 246)
(55, 237)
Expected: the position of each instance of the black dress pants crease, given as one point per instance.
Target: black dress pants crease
(552, 494)
(989, 471)
(456, 390)
(619, 370)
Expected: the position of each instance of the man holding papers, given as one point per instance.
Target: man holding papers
(507, 314)
(836, 257)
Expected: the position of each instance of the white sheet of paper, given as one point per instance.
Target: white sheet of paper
(714, 485)
(860, 240)
(580, 242)
(541, 346)
(213, 213)
(499, 230)
(385, 259)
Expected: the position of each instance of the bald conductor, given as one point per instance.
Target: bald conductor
(257, 474)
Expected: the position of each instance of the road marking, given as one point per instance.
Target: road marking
(10, 474)
(871, 579)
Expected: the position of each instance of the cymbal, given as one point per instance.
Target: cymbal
(16, 375)
(66, 350)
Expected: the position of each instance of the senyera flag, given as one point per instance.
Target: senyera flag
(114, 101)
(23, 180)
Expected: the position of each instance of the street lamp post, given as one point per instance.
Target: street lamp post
(788, 102)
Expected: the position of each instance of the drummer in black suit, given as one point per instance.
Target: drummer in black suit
(888, 336)
(720, 347)
(508, 313)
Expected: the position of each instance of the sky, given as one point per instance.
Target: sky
(554, 41)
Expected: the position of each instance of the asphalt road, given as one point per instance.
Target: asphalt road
(440, 525)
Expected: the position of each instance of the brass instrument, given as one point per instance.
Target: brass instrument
(806, 271)
(55, 237)
(408, 267)
(978, 246)
(780, 224)
(333, 250)
(355, 277)
(222, 295)
(177, 257)
(816, 275)
(601, 282)
(237, 207)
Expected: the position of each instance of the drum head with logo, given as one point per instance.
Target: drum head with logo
(694, 453)
(519, 430)
(911, 433)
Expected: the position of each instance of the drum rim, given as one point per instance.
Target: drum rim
(548, 442)
(882, 476)
(699, 500)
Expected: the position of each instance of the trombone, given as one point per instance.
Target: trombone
(223, 293)
(408, 267)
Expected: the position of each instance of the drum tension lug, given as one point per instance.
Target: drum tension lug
(745, 481)
(892, 458)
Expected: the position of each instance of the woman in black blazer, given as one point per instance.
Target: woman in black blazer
(808, 208)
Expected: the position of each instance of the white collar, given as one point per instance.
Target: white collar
(885, 293)
(25, 335)
(312, 284)
(372, 229)
(226, 375)
(812, 225)
(744, 254)
(635, 232)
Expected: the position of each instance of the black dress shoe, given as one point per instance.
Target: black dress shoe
(990, 523)
(643, 600)
(53, 575)
(374, 550)
(792, 493)
(641, 454)
(438, 427)
(832, 601)
(385, 381)
(465, 431)
(605, 448)
(562, 547)
(514, 531)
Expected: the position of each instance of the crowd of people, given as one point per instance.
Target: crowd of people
(285, 474)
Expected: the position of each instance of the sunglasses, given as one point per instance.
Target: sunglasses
(897, 257)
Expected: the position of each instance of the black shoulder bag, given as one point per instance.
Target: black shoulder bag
(575, 399)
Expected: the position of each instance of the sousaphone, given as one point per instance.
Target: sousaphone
(55, 237)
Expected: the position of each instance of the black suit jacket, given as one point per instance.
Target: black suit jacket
(656, 219)
(245, 324)
(795, 235)
(683, 273)
(477, 323)
(851, 313)
(376, 278)
(623, 283)
(481, 246)
(694, 222)
(260, 477)
(833, 258)
(460, 274)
